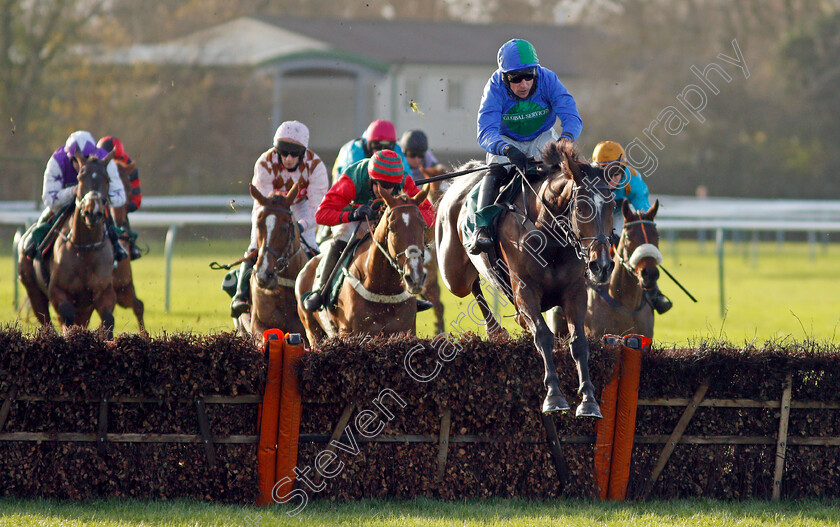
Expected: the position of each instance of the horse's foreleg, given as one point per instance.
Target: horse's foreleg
(494, 330)
(138, 308)
(579, 346)
(431, 292)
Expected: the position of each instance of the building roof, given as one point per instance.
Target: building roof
(562, 49)
(254, 41)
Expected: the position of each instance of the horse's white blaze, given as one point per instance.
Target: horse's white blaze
(270, 222)
(406, 218)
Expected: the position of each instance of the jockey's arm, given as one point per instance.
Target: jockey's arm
(564, 106)
(135, 197)
(331, 211)
(116, 191)
(490, 123)
(319, 184)
(54, 194)
(638, 194)
(426, 208)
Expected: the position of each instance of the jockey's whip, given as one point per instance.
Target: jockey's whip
(456, 174)
(678, 283)
(216, 265)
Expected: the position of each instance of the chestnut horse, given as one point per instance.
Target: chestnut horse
(280, 257)
(386, 271)
(555, 234)
(621, 307)
(81, 265)
(123, 279)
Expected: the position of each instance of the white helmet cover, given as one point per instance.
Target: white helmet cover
(292, 132)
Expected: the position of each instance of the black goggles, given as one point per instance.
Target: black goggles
(382, 145)
(287, 149)
(518, 76)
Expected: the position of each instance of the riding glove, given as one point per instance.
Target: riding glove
(360, 213)
(516, 156)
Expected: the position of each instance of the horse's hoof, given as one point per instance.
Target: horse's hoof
(589, 409)
(554, 403)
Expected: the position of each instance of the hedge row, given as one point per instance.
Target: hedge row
(84, 367)
(495, 389)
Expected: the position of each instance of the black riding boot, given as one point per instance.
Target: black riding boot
(486, 197)
(315, 300)
(241, 302)
(119, 252)
(660, 302)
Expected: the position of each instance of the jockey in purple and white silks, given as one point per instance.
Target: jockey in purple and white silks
(60, 180)
(519, 108)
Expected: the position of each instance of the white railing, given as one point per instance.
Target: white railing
(676, 214)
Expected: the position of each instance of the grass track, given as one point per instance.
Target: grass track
(781, 293)
(426, 513)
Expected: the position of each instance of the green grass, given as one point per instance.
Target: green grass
(426, 513)
(774, 293)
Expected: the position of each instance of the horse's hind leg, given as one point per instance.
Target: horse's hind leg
(39, 301)
(494, 330)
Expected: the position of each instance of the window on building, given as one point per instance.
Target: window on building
(455, 95)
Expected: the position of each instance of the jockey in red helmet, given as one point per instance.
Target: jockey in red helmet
(379, 135)
(126, 167)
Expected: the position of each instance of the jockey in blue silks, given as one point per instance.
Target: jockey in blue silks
(520, 106)
(630, 188)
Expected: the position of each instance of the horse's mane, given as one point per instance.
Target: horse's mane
(552, 154)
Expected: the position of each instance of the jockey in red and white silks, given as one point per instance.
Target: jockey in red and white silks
(272, 174)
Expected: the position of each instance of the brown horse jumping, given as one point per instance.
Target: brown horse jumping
(280, 257)
(621, 307)
(387, 270)
(556, 234)
(123, 279)
(81, 266)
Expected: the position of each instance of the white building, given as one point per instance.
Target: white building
(338, 75)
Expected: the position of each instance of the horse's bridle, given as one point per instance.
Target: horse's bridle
(412, 251)
(572, 237)
(282, 261)
(621, 257)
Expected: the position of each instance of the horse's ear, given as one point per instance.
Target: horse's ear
(386, 196)
(109, 157)
(292, 193)
(259, 198)
(572, 169)
(625, 210)
(651, 212)
(80, 158)
(421, 196)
